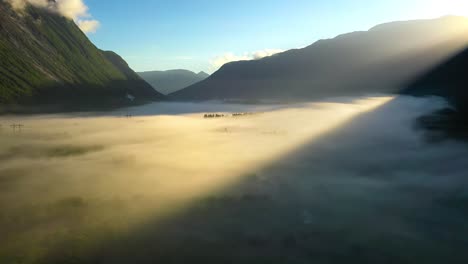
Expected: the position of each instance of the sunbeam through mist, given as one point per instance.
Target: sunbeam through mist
(70, 177)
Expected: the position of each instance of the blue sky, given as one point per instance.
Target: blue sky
(198, 34)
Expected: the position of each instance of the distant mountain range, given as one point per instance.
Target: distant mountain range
(46, 59)
(171, 81)
(384, 59)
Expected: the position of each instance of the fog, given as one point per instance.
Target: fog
(320, 181)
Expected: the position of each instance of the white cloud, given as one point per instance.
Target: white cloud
(73, 9)
(88, 26)
(265, 53)
(227, 57)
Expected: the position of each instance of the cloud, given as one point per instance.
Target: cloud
(265, 53)
(227, 57)
(348, 164)
(88, 26)
(73, 9)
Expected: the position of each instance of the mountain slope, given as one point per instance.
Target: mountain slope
(46, 59)
(380, 60)
(173, 80)
(448, 80)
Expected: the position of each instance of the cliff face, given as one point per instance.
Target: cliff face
(46, 59)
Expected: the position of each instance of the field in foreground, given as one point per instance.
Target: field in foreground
(331, 182)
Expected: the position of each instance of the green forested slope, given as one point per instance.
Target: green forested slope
(46, 58)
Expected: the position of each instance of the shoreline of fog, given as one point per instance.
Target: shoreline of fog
(228, 106)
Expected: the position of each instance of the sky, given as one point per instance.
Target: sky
(202, 35)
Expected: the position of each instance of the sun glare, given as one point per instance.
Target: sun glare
(447, 7)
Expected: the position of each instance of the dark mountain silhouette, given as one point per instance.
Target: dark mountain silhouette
(382, 59)
(46, 59)
(448, 80)
(173, 80)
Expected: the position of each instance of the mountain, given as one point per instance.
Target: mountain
(380, 60)
(171, 81)
(448, 80)
(46, 59)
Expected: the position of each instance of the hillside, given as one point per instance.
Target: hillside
(46, 59)
(173, 80)
(449, 80)
(380, 60)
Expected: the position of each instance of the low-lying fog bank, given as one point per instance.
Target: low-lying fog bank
(184, 108)
(324, 182)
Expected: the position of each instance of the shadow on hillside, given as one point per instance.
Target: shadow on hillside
(369, 192)
(53, 98)
(447, 79)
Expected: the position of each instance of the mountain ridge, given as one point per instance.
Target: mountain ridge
(448, 80)
(380, 60)
(46, 59)
(172, 80)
